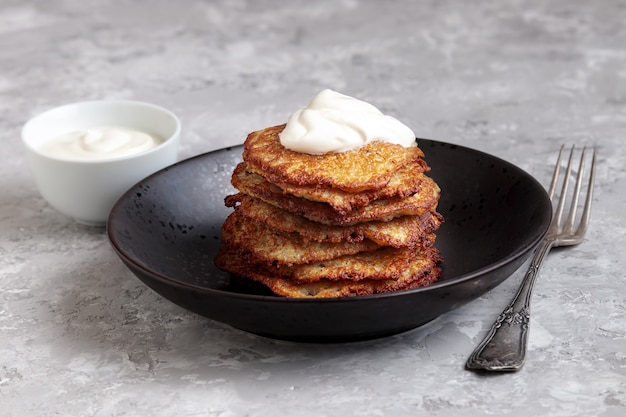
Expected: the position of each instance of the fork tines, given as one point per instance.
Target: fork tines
(565, 194)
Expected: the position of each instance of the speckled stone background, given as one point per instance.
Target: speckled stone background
(81, 336)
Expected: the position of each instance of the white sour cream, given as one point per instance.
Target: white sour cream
(334, 122)
(100, 143)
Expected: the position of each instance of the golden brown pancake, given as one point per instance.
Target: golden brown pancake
(382, 264)
(404, 182)
(368, 167)
(418, 273)
(267, 245)
(424, 200)
(405, 231)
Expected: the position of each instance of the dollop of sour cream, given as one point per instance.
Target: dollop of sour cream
(334, 122)
(100, 143)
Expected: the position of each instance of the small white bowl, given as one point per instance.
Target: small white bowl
(86, 190)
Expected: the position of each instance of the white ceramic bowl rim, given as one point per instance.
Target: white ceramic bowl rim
(111, 102)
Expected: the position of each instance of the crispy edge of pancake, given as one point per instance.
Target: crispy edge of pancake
(424, 200)
(405, 231)
(229, 261)
(403, 183)
(368, 167)
(266, 245)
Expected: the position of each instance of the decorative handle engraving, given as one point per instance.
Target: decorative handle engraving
(504, 347)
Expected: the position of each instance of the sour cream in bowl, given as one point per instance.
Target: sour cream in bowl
(83, 156)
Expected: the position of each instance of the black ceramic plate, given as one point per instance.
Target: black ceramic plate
(166, 230)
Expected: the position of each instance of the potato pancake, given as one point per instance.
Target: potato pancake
(369, 167)
(382, 210)
(418, 273)
(405, 231)
(405, 182)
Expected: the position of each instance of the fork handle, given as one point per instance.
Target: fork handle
(504, 347)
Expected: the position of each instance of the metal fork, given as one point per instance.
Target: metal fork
(504, 347)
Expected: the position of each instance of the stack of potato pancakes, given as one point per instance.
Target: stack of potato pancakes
(334, 225)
